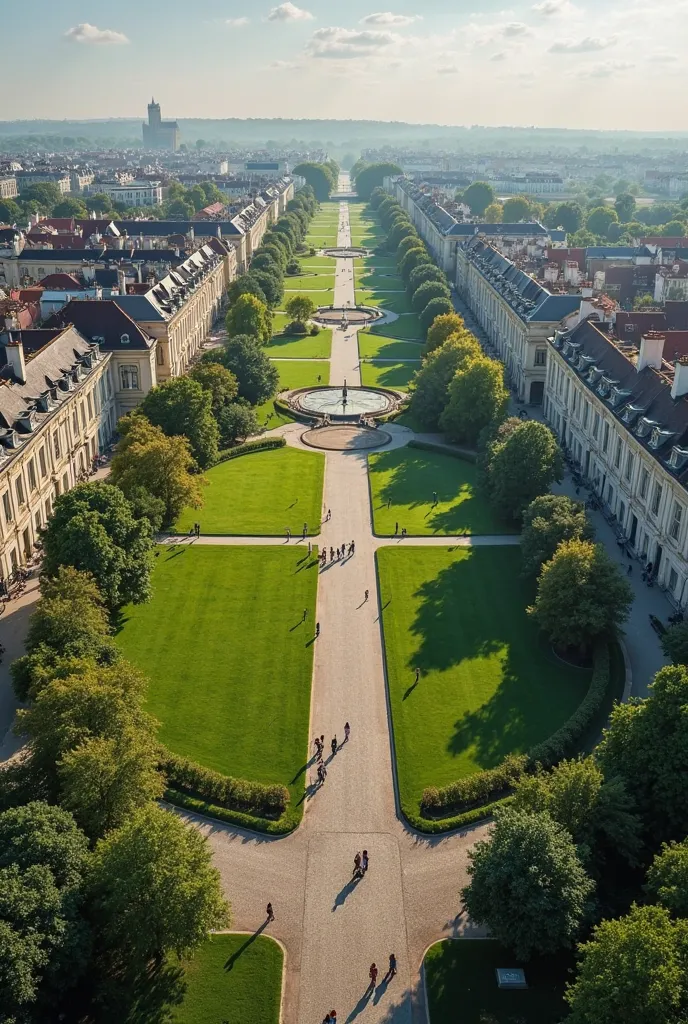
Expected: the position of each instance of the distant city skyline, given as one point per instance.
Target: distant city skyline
(550, 63)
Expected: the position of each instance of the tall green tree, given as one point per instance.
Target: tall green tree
(478, 396)
(409, 240)
(599, 219)
(581, 595)
(428, 291)
(246, 284)
(10, 212)
(153, 886)
(425, 272)
(181, 406)
(625, 206)
(256, 374)
(675, 643)
(568, 216)
(431, 386)
(318, 176)
(372, 176)
(300, 308)
(411, 259)
(667, 878)
(435, 307)
(219, 382)
(478, 197)
(93, 529)
(444, 327)
(547, 521)
(527, 884)
(248, 315)
(516, 208)
(522, 465)
(632, 969)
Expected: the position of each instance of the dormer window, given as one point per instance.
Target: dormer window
(659, 437)
(618, 395)
(678, 457)
(593, 375)
(631, 413)
(645, 426)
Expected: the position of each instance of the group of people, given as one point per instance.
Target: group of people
(373, 972)
(345, 551)
(319, 743)
(396, 530)
(195, 530)
(360, 864)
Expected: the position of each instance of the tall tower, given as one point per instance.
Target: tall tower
(154, 114)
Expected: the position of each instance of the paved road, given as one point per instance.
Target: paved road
(331, 927)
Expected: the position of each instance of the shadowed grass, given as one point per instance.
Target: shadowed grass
(407, 327)
(388, 375)
(372, 347)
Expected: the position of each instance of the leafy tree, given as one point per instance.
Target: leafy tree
(527, 884)
(300, 308)
(98, 203)
(39, 833)
(425, 272)
(675, 643)
(248, 315)
(146, 457)
(646, 744)
(245, 285)
(276, 254)
(277, 239)
(428, 291)
(212, 193)
(318, 177)
(614, 232)
(154, 888)
(444, 327)
(237, 422)
(597, 812)
(521, 466)
(632, 969)
(266, 261)
(516, 209)
(625, 206)
(547, 521)
(255, 372)
(372, 176)
(667, 878)
(69, 207)
(434, 308)
(272, 285)
(674, 229)
(494, 214)
(178, 209)
(221, 385)
(411, 259)
(478, 197)
(401, 229)
(599, 219)
(181, 405)
(196, 196)
(388, 210)
(567, 215)
(581, 595)
(477, 396)
(431, 391)
(93, 529)
(46, 194)
(10, 212)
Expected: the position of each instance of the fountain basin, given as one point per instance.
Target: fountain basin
(344, 404)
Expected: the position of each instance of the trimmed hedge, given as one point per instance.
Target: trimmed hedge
(267, 825)
(435, 827)
(480, 793)
(248, 447)
(286, 410)
(254, 798)
(428, 446)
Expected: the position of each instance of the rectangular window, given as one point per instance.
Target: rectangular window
(617, 453)
(596, 425)
(56, 443)
(628, 468)
(605, 438)
(676, 517)
(42, 463)
(656, 498)
(90, 406)
(586, 410)
(7, 507)
(65, 483)
(673, 580)
(540, 356)
(37, 521)
(32, 475)
(19, 487)
(644, 481)
(160, 356)
(82, 410)
(75, 422)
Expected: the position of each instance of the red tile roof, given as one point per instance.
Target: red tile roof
(62, 282)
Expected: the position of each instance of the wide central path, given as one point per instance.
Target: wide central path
(333, 928)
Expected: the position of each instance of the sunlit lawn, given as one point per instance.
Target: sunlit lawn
(406, 326)
(323, 297)
(395, 301)
(294, 373)
(388, 375)
(308, 282)
(370, 346)
(289, 346)
(233, 979)
(489, 685)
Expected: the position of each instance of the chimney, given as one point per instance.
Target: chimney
(121, 281)
(651, 348)
(15, 358)
(680, 384)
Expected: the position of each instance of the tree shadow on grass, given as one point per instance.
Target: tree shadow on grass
(474, 610)
(229, 964)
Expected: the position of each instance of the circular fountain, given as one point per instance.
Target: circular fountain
(344, 404)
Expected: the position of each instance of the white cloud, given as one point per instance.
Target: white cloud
(549, 7)
(85, 33)
(289, 12)
(387, 18)
(236, 22)
(514, 28)
(335, 43)
(587, 45)
(499, 56)
(283, 65)
(606, 69)
(447, 69)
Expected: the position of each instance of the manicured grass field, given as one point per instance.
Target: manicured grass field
(395, 301)
(388, 375)
(233, 979)
(384, 281)
(261, 493)
(286, 346)
(229, 663)
(309, 282)
(461, 973)
(489, 685)
(407, 326)
(372, 347)
(325, 297)
(408, 477)
(293, 373)
(320, 264)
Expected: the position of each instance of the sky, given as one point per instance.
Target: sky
(566, 63)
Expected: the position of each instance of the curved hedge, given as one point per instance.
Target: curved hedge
(248, 821)
(477, 795)
(248, 447)
(197, 782)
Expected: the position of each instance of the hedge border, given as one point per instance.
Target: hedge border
(248, 447)
(559, 745)
(256, 799)
(282, 827)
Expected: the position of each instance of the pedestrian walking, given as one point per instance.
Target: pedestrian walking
(305, 530)
(318, 747)
(333, 745)
(321, 773)
(373, 976)
(357, 865)
(288, 535)
(338, 556)
(417, 673)
(434, 497)
(305, 614)
(364, 862)
(365, 597)
(317, 629)
(329, 514)
(270, 912)
(396, 529)
(392, 966)
(353, 546)
(403, 531)
(332, 554)
(347, 730)
(389, 503)
(629, 571)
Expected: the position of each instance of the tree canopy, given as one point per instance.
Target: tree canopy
(478, 396)
(435, 307)
(248, 315)
(516, 208)
(319, 176)
(431, 392)
(257, 376)
(478, 197)
(181, 405)
(522, 463)
(443, 327)
(372, 176)
(547, 521)
(300, 308)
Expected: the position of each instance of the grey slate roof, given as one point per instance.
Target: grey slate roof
(102, 319)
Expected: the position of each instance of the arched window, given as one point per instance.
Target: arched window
(129, 378)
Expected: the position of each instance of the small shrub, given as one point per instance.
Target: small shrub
(314, 330)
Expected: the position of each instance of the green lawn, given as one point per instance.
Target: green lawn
(489, 684)
(395, 301)
(309, 282)
(286, 346)
(317, 263)
(229, 663)
(461, 973)
(294, 373)
(372, 347)
(388, 375)
(233, 979)
(407, 326)
(384, 281)
(261, 493)
(408, 477)
(319, 298)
